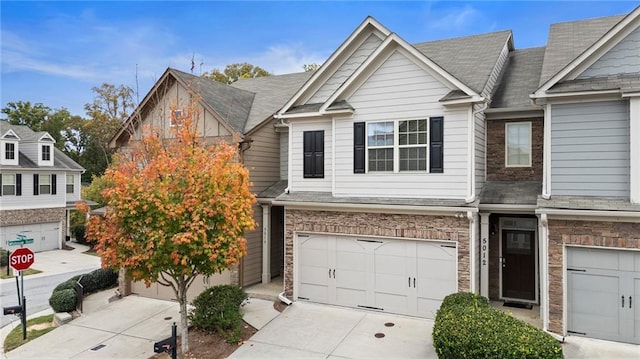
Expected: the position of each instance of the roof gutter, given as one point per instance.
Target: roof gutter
(580, 214)
(460, 212)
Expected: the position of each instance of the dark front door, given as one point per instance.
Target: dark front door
(518, 264)
(277, 240)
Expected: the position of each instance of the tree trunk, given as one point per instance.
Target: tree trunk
(182, 299)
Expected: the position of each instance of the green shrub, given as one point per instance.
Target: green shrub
(105, 278)
(218, 309)
(78, 233)
(466, 326)
(63, 300)
(4, 257)
(68, 284)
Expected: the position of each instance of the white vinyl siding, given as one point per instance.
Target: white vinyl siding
(27, 200)
(346, 69)
(310, 184)
(624, 58)
(590, 149)
(400, 89)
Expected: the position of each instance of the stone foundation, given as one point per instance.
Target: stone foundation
(586, 233)
(377, 224)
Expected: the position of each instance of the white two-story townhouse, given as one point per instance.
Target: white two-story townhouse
(589, 209)
(39, 185)
(386, 157)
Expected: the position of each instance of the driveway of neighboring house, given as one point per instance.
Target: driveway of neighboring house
(308, 330)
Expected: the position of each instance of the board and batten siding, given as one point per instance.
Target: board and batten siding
(624, 58)
(346, 69)
(590, 149)
(297, 161)
(400, 89)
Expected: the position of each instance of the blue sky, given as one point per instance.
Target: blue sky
(55, 52)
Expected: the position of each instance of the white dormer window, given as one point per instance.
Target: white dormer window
(10, 151)
(46, 153)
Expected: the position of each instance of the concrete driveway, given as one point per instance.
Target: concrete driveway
(308, 330)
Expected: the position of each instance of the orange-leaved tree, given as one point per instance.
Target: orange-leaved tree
(176, 208)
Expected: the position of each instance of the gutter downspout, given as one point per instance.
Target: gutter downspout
(284, 299)
(289, 145)
(472, 150)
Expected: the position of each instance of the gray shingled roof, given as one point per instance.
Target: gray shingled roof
(326, 197)
(274, 190)
(60, 160)
(568, 40)
(589, 203)
(510, 192)
(519, 79)
(231, 103)
(271, 93)
(470, 59)
(623, 82)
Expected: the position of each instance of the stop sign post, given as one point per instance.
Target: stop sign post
(21, 259)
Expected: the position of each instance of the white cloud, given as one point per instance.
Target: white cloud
(453, 18)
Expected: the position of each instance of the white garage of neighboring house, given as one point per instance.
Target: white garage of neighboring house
(399, 276)
(46, 236)
(603, 293)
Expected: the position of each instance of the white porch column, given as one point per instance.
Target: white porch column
(266, 244)
(543, 229)
(634, 124)
(484, 254)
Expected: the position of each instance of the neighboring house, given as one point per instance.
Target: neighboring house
(399, 173)
(240, 114)
(39, 185)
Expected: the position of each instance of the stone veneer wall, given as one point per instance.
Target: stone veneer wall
(34, 216)
(377, 224)
(587, 233)
(496, 169)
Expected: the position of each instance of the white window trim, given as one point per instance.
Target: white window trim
(73, 183)
(506, 144)
(15, 180)
(40, 184)
(6, 152)
(396, 145)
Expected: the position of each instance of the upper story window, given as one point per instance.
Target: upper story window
(518, 144)
(10, 151)
(70, 183)
(44, 184)
(11, 185)
(313, 154)
(176, 117)
(46, 152)
(399, 146)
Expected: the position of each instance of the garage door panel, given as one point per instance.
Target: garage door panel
(428, 307)
(316, 293)
(350, 261)
(434, 288)
(392, 248)
(392, 303)
(435, 251)
(437, 269)
(392, 265)
(584, 258)
(351, 297)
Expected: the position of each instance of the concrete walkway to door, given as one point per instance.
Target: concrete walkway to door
(308, 330)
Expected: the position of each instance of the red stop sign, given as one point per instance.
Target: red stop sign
(21, 259)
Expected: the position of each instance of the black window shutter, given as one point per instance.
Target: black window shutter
(18, 185)
(53, 184)
(318, 152)
(0, 184)
(436, 141)
(36, 184)
(308, 154)
(358, 147)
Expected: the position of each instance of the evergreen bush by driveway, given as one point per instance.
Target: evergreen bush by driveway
(466, 326)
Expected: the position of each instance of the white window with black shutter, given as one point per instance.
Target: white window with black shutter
(313, 154)
(44, 184)
(414, 145)
(11, 185)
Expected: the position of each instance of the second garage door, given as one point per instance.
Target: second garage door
(397, 276)
(603, 290)
(46, 236)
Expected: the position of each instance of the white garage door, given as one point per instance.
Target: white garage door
(46, 236)
(603, 290)
(395, 276)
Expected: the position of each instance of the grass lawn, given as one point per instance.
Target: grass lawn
(35, 328)
(3, 272)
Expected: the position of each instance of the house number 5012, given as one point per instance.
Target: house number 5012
(485, 246)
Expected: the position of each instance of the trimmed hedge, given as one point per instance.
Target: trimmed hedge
(92, 282)
(4, 257)
(466, 326)
(63, 300)
(217, 309)
(79, 233)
